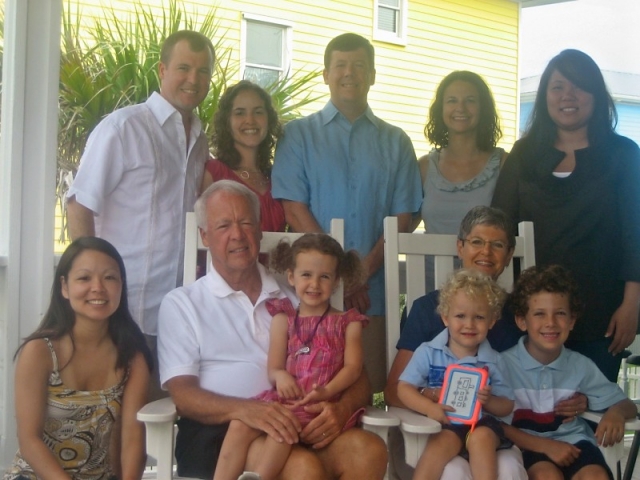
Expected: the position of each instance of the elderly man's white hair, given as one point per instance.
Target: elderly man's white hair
(229, 186)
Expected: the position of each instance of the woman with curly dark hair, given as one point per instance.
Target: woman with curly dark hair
(246, 128)
(462, 169)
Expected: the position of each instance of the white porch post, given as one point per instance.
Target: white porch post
(29, 139)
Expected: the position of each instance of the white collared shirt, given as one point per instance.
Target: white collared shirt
(215, 333)
(139, 177)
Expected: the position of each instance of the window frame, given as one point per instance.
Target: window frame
(399, 37)
(287, 44)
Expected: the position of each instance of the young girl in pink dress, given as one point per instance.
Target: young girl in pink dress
(315, 351)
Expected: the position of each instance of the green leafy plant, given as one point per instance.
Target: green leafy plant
(113, 62)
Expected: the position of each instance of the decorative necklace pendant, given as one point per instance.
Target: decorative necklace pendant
(303, 351)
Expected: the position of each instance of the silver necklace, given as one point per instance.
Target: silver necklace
(246, 175)
(305, 349)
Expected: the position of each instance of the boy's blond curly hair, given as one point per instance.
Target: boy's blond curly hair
(475, 285)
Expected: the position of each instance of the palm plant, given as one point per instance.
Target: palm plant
(114, 62)
(292, 92)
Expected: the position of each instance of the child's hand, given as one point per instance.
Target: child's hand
(436, 394)
(287, 386)
(484, 394)
(497, 406)
(317, 394)
(561, 453)
(437, 411)
(610, 430)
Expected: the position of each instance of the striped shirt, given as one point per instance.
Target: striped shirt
(538, 388)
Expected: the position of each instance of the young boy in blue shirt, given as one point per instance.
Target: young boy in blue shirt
(543, 372)
(470, 303)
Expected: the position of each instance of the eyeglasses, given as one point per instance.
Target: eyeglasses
(478, 244)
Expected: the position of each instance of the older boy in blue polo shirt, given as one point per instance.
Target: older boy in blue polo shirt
(543, 372)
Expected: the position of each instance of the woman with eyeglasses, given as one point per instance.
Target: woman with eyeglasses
(579, 182)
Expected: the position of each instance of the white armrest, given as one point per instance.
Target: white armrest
(415, 429)
(159, 418)
(614, 453)
(378, 421)
(378, 417)
(160, 411)
(632, 424)
(413, 422)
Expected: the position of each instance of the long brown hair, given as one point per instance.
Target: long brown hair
(488, 132)
(223, 144)
(60, 318)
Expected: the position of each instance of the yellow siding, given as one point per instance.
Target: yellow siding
(443, 35)
(453, 35)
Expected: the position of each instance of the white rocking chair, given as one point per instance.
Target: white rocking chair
(160, 416)
(407, 276)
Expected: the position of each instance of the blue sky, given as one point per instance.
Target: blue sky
(607, 30)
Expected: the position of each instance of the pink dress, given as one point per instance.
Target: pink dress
(271, 210)
(326, 350)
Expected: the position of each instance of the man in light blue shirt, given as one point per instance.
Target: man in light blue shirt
(344, 162)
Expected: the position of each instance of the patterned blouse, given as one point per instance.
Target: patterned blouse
(77, 429)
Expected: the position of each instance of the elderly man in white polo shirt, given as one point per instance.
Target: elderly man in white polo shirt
(213, 343)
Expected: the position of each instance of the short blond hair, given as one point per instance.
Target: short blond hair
(475, 285)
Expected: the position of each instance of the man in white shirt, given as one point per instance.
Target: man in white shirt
(213, 343)
(140, 173)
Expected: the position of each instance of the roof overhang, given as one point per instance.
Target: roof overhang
(537, 3)
(624, 87)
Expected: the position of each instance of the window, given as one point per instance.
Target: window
(266, 49)
(390, 21)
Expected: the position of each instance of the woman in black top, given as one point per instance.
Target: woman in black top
(579, 182)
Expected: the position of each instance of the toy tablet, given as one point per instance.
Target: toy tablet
(460, 390)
